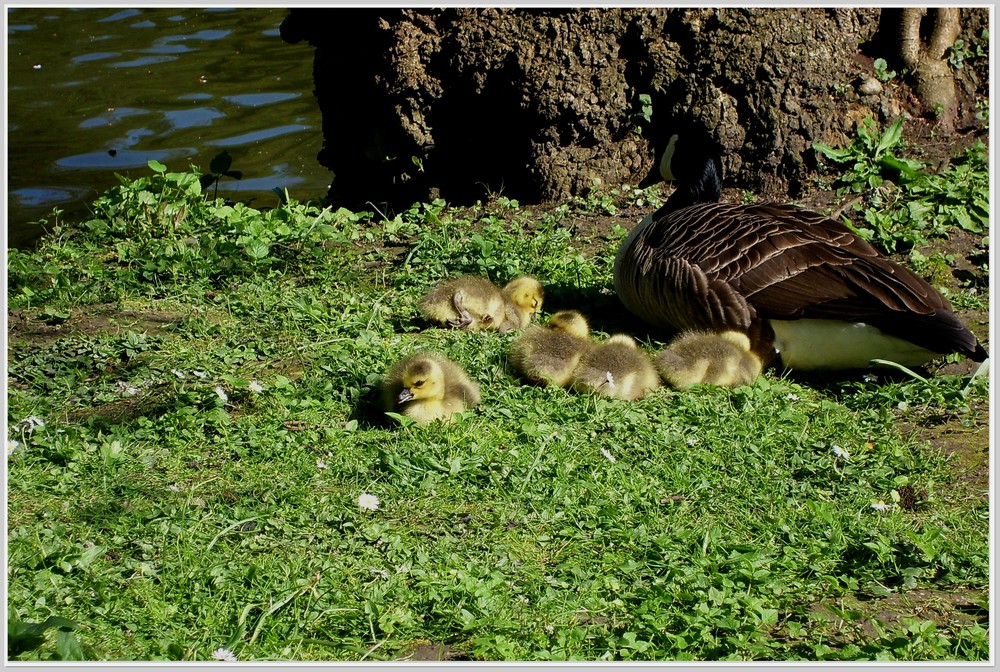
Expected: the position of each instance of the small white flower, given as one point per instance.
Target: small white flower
(173, 488)
(222, 393)
(33, 422)
(840, 452)
(381, 573)
(791, 396)
(869, 378)
(881, 506)
(609, 380)
(180, 374)
(368, 502)
(199, 374)
(255, 386)
(607, 453)
(693, 441)
(225, 655)
(550, 628)
(320, 464)
(127, 390)
(12, 445)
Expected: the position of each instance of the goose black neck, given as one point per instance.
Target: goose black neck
(701, 185)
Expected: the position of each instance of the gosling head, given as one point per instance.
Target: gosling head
(526, 293)
(569, 322)
(422, 379)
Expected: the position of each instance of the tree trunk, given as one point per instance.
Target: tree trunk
(543, 104)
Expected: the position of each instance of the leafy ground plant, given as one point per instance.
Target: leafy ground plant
(198, 467)
(903, 204)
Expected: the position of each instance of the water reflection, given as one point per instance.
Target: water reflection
(92, 92)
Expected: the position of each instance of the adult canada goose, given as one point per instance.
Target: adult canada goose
(548, 355)
(466, 302)
(523, 298)
(616, 368)
(427, 386)
(801, 284)
(709, 358)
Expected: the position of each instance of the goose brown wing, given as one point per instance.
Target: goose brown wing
(799, 264)
(777, 261)
(674, 292)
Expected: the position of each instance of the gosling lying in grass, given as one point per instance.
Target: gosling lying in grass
(473, 303)
(616, 368)
(548, 355)
(428, 386)
(523, 298)
(466, 302)
(709, 358)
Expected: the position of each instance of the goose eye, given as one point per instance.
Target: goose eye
(418, 383)
(487, 319)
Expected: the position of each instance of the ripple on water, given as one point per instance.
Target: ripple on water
(123, 86)
(257, 136)
(123, 158)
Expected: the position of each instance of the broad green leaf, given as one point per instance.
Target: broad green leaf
(838, 155)
(891, 136)
(68, 646)
(156, 166)
(221, 162)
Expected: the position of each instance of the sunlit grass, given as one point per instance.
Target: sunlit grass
(168, 522)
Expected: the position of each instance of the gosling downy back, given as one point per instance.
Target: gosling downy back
(548, 355)
(466, 302)
(427, 386)
(523, 297)
(804, 286)
(709, 358)
(616, 368)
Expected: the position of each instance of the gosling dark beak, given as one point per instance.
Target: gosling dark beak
(404, 395)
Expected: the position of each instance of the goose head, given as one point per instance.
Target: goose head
(422, 380)
(569, 322)
(691, 159)
(526, 293)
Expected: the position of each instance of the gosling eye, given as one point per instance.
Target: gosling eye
(418, 383)
(487, 319)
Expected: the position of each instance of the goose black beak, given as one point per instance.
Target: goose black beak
(404, 395)
(652, 178)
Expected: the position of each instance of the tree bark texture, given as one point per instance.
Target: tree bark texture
(543, 104)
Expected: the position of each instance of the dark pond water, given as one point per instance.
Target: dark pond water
(94, 92)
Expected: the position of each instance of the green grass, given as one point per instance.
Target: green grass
(165, 522)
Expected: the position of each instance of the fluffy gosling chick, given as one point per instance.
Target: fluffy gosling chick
(548, 355)
(709, 358)
(466, 302)
(428, 386)
(616, 368)
(523, 298)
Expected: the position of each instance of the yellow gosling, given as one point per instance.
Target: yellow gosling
(548, 355)
(708, 358)
(466, 302)
(428, 386)
(616, 368)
